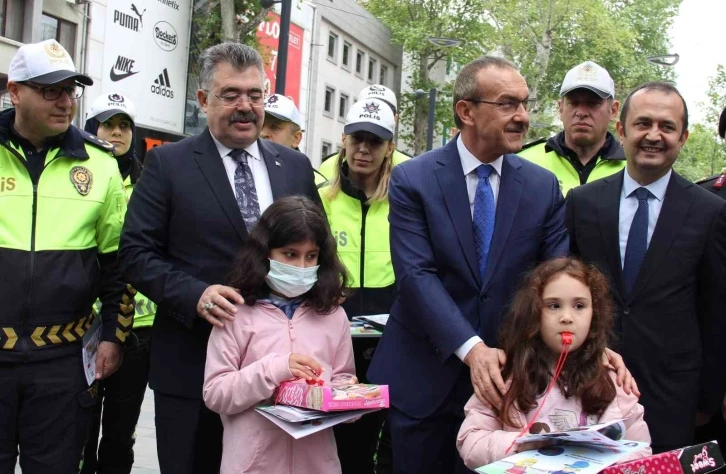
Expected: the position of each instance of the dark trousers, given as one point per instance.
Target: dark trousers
(188, 435)
(713, 430)
(45, 410)
(428, 446)
(362, 447)
(119, 398)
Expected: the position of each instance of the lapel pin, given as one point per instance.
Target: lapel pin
(277, 163)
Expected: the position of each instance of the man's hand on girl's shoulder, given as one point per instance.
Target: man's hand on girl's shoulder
(615, 362)
(217, 304)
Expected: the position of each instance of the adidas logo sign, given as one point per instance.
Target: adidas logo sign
(162, 86)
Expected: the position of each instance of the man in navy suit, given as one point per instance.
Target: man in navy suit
(189, 215)
(466, 221)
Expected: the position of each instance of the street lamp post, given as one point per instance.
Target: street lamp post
(283, 41)
(420, 93)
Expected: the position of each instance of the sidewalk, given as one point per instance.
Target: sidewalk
(145, 458)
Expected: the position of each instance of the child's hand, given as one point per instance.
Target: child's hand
(304, 367)
(353, 380)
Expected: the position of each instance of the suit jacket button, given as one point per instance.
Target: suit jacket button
(483, 298)
(626, 311)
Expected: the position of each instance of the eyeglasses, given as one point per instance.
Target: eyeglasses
(233, 100)
(55, 92)
(507, 106)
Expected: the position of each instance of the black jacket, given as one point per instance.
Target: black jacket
(182, 233)
(671, 329)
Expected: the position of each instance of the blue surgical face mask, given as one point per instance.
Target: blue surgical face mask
(289, 280)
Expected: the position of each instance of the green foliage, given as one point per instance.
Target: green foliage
(716, 97)
(703, 155)
(207, 26)
(545, 38)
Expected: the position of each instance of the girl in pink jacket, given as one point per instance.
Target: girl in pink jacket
(290, 326)
(559, 296)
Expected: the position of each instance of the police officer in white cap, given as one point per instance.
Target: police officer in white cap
(62, 204)
(328, 168)
(356, 203)
(111, 118)
(283, 123)
(585, 150)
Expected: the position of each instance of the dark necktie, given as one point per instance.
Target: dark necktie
(244, 186)
(484, 215)
(637, 244)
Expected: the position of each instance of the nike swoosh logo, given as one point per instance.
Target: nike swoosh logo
(117, 77)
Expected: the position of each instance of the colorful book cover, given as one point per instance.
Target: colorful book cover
(563, 459)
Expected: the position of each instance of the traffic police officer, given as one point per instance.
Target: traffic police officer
(283, 123)
(717, 184)
(585, 150)
(328, 168)
(62, 205)
(111, 118)
(356, 203)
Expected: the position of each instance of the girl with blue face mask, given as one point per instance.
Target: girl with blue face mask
(290, 326)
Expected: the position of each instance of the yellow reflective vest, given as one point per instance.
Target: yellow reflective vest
(549, 154)
(58, 241)
(361, 231)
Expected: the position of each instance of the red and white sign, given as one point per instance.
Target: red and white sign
(268, 34)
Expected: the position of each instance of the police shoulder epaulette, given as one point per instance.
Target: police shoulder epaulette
(94, 140)
(335, 153)
(534, 143)
(718, 180)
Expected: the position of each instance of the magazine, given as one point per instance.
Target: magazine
(301, 422)
(603, 434)
(91, 339)
(564, 459)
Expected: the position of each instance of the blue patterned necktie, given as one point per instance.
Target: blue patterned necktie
(244, 187)
(484, 214)
(637, 244)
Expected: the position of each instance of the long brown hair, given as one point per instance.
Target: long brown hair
(292, 219)
(528, 365)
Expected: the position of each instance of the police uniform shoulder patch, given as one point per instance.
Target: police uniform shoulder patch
(534, 143)
(82, 179)
(97, 142)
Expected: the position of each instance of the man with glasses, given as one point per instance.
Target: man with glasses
(190, 213)
(466, 221)
(585, 150)
(62, 203)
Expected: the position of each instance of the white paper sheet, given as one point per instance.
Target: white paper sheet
(91, 339)
(313, 422)
(563, 459)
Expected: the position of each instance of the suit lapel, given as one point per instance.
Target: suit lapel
(676, 202)
(451, 179)
(212, 167)
(608, 213)
(510, 191)
(275, 169)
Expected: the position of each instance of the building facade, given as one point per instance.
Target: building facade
(144, 50)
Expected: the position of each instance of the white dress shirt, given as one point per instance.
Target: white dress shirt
(629, 204)
(259, 172)
(469, 163)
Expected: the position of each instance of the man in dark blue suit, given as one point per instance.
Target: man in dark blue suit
(466, 221)
(188, 217)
